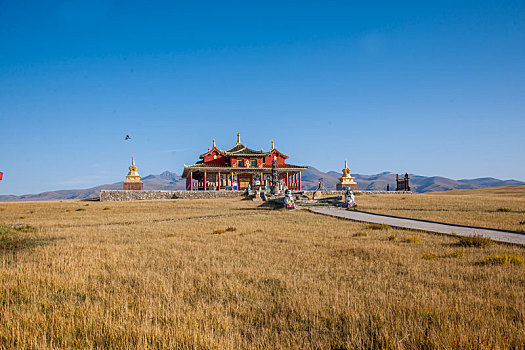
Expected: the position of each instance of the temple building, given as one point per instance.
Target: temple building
(132, 181)
(239, 168)
(346, 182)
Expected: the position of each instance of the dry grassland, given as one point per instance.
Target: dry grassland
(498, 207)
(154, 275)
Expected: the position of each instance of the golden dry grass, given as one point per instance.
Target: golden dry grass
(153, 275)
(499, 207)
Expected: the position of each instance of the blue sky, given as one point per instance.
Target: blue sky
(432, 88)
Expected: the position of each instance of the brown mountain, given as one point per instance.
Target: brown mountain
(310, 179)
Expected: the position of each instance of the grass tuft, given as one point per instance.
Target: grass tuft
(504, 210)
(379, 227)
(477, 241)
(231, 229)
(429, 256)
(458, 254)
(413, 239)
(80, 209)
(359, 234)
(505, 259)
(218, 232)
(23, 228)
(392, 238)
(106, 208)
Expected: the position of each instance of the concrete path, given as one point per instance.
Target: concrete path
(496, 235)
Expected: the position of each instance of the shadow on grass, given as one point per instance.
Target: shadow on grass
(14, 238)
(92, 199)
(268, 205)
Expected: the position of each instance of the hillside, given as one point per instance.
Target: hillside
(310, 179)
(507, 191)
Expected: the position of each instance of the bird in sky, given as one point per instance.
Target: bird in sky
(127, 137)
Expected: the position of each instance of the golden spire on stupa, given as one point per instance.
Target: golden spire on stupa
(133, 175)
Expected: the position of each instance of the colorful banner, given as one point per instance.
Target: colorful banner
(1, 175)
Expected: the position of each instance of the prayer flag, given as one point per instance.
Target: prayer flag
(1, 174)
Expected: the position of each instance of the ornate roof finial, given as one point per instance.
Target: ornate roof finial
(346, 166)
(238, 137)
(213, 142)
(133, 174)
(272, 145)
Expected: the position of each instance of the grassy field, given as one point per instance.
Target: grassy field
(498, 207)
(154, 274)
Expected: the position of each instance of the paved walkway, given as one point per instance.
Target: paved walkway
(496, 235)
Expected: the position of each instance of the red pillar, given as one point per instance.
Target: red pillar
(191, 180)
(219, 181)
(238, 183)
(204, 181)
(287, 181)
(300, 181)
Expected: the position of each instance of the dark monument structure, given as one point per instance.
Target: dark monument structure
(320, 187)
(402, 183)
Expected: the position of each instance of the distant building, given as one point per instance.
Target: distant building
(402, 183)
(346, 182)
(132, 181)
(239, 168)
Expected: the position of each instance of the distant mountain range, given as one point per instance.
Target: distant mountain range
(418, 183)
(310, 179)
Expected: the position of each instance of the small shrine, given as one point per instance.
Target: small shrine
(346, 182)
(132, 182)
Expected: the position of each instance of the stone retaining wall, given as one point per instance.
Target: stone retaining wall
(337, 193)
(385, 192)
(118, 195)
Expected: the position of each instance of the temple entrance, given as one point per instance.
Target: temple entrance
(244, 182)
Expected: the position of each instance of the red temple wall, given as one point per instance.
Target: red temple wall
(133, 186)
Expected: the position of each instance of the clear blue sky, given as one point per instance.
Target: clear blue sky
(432, 88)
